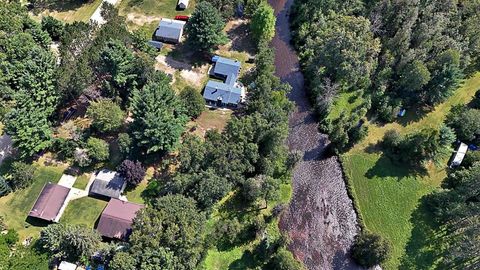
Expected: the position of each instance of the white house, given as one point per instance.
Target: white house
(182, 4)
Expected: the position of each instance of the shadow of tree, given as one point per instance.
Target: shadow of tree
(386, 167)
(424, 247)
(241, 38)
(59, 5)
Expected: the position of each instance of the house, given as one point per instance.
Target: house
(182, 4)
(50, 203)
(108, 184)
(229, 91)
(459, 155)
(117, 218)
(66, 266)
(169, 30)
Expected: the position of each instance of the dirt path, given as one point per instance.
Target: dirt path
(320, 220)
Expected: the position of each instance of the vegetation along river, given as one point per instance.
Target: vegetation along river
(320, 219)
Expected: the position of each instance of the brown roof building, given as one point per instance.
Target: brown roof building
(117, 218)
(49, 203)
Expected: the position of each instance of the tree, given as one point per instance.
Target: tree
(132, 171)
(97, 149)
(370, 249)
(124, 143)
(205, 28)
(107, 116)
(465, 122)
(21, 175)
(284, 260)
(5, 188)
(122, 261)
(172, 222)
(193, 102)
(225, 7)
(263, 23)
(69, 241)
(159, 117)
(53, 27)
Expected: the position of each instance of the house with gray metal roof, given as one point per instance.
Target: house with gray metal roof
(229, 91)
(108, 184)
(169, 30)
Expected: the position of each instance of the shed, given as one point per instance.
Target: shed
(50, 202)
(459, 155)
(182, 4)
(117, 218)
(108, 183)
(169, 30)
(67, 266)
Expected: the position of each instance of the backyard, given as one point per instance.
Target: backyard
(70, 10)
(388, 196)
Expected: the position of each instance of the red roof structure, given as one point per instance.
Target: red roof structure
(49, 202)
(117, 218)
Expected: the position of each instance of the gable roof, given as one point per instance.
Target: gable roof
(182, 3)
(227, 67)
(170, 29)
(108, 183)
(49, 202)
(117, 218)
(220, 91)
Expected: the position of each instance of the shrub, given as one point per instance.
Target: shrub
(227, 231)
(97, 149)
(53, 27)
(370, 249)
(132, 171)
(10, 238)
(192, 101)
(21, 175)
(5, 188)
(107, 116)
(124, 143)
(284, 260)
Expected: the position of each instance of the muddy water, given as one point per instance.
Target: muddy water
(320, 220)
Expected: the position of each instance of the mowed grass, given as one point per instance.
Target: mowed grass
(388, 195)
(82, 181)
(16, 206)
(71, 10)
(83, 211)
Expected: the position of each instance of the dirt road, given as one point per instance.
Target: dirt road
(320, 220)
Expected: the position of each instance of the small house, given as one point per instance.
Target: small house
(50, 203)
(117, 218)
(108, 184)
(459, 155)
(169, 30)
(228, 92)
(182, 4)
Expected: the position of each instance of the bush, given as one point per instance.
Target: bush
(227, 232)
(21, 175)
(5, 188)
(132, 171)
(192, 101)
(124, 143)
(107, 116)
(10, 238)
(97, 149)
(370, 249)
(284, 260)
(53, 27)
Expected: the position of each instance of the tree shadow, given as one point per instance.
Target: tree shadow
(59, 5)
(247, 261)
(386, 167)
(425, 244)
(241, 38)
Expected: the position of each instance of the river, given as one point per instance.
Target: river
(320, 220)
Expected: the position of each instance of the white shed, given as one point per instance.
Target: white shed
(67, 266)
(182, 4)
(459, 155)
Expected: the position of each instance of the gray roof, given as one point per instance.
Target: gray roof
(220, 91)
(227, 67)
(170, 29)
(182, 3)
(108, 183)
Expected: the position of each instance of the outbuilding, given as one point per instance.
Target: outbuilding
(182, 4)
(50, 203)
(169, 30)
(108, 184)
(117, 218)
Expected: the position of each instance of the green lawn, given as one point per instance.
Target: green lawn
(82, 181)
(345, 103)
(71, 10)
(83, 211)
(388, 195)
(135, 195)
(15, 207)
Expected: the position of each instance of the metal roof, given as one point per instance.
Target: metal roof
(182, 4)
(170, 29)
(67, 266)
(117, 218)
(108, 183)
(227, 67)
(220, 91)
(49, 202)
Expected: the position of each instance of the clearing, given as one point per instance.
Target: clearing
(70, 10)
(388, 195)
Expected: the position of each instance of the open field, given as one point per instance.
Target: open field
(70, 10)
(15, 207)
(388, 195)
(83, 211)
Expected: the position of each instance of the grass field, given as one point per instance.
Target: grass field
(388, 195)
(82, 181)
(83, 211)
(15, 207)
(71, 10)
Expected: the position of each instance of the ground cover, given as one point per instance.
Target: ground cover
(70, 10)
(83, 211)
(345, 103)
(15, 206)
(388, 195)
(210, 119)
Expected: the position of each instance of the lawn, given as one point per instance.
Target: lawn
(83, 211)
(71, 10)
(345, 103)
(211, 119)
(15, 207)
(388, 195)
(82, 181)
